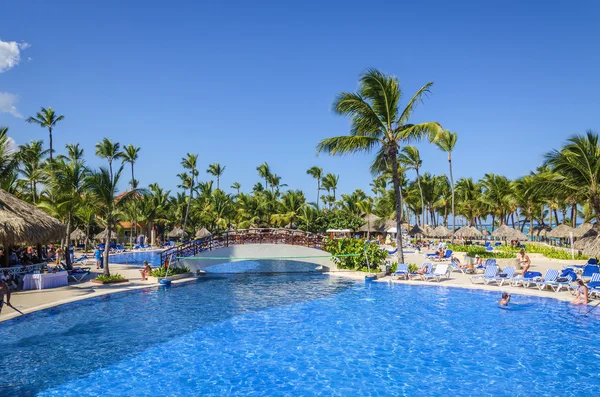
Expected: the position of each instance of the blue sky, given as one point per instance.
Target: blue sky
(241, 83)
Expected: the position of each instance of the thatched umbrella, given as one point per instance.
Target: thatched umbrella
(508, 233)
(371, 222)
(177, 232)
(486, 232)
(561, 231)
(586, 230)
(417, 230)
(23, 223)
(104, 234)
(441, 231)
(593, 248)
(468, 232)
(202, 233)
(540, 231)
(583, 242)
(77, 235)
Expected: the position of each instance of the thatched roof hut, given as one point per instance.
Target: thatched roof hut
(441, 232)
(468, 232)
(486, 232)
(177, 232)
(202, 233)
(77, 235)
(540, 231)
(508, 233)
(593, 247)
(586, 230)
(561, 231)
(419, 230)
(104, 234)
(583, 242)
(23, 223)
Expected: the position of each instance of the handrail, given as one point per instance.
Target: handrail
(241, 237)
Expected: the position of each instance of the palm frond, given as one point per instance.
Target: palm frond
(347, 144)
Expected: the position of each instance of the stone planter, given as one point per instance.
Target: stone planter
(96, 281)
(175, 277)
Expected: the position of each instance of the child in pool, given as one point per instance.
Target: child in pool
(505, 299)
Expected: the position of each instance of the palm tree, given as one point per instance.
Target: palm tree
(316, 173)
(236, 186)
(32, 159)
(289, 208)
(330, 182)
(216, 170)
(9, 162)
(576, 168)
(190, 163)
(46, 118)
(103, 186)
(130, 155)
(411, 158)
(446, 141)
(68, 179)
(378, 123)
(74, 152)
(264, 172)
(109, 150)
(366, 207)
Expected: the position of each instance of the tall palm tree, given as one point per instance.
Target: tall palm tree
(366, 207)
(46, 118)
(32, 163)
(103, 186)
(236, 186)
(109, 150)
(130, 155)
(317, 173)
(446, 141)
(190, 163)
(264, 172)
(576, 168)
(411, 158)
(377, 123)
(9, 161)
(330, 182)
(216, 170)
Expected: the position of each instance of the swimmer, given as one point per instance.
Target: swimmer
(581, 298)
(505, 299)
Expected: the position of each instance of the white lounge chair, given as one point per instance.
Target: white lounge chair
(507, 274)
(439, 272)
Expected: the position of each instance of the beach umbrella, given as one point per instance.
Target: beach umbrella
(441, 231)
(561, 231)
(202, 233)
(77, 235)
(582, 243)
(177, 232)
(104, 234)
(23, 223)
(486, 232)
(508, 233)
(416, 230)
(593, 247)
(582, 229)
(372, 224)
(540, 230)
(468, 232)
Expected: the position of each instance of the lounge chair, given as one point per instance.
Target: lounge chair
(439, 272)
(490, 274)
(589, 271)
(401, 271)
(454, 267)
(393, 252)
(447, 255)
(78, 273)
(428, 269)
(550, 277)
(593, 285)
(506, 274)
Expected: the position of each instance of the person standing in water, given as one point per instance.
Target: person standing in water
(505, 299)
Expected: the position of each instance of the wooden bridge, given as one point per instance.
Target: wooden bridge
(243, 237)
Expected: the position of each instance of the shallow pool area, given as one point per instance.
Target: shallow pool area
(136, 258)
(302, 334)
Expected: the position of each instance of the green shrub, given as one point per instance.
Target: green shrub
(394, 267)
(548, 252)
(412, 267)
(473, 250)
(162, 271)
(112, 277)
(356, 248)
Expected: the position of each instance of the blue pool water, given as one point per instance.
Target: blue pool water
(137, 258)
(301, 334)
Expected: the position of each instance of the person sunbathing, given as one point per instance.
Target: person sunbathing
(421, 271)
(581, 297)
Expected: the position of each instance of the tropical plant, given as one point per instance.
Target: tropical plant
(190, 163)
(217, 171)
(446, 141)
(377, 123)
(350, 253)
(316, 173)
(410, 157)
(236, 186)
(46, 118)
(32, 166)
(109, 150)
(130, 155)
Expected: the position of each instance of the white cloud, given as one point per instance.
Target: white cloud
(10, 54)
(7, 104)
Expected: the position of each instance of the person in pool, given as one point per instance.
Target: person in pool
(581, 297)
(524, 261)
(505, 299)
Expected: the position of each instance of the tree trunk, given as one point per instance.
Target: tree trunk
(493, 221)
(393, 153)
(187, 211)
(318, 191)
(107, 246)
(50, 133)
(574, 215)
(556, 216)
(531, 227)
(512, 218)
(421, 192)
(134, 208)
(67, 250)
(87, 236)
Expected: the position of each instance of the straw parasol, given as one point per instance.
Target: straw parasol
(23, 223)
(582, 243)
(202, 233)
(581, 230)
(561, 231)
(104, 234)
(593, 247)
(441, 231)
(508, 233)
(486, 232)
(541, 231)
(77, 235)
(177, 232)
(417, 230)
(468, 231)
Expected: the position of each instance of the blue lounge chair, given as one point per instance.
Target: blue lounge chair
(456, 267)
(592, 261)
(550, 277)
(392, 252)
(447, 255)
(490, 274)
(593, 285)
(78, 273)
(439, 272)
(506, 275)
(401, 271)
(589, 271)
(497, 244)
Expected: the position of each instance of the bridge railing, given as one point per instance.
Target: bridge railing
(241, 237)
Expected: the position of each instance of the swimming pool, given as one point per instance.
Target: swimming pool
(301, 334)
(136, 258)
